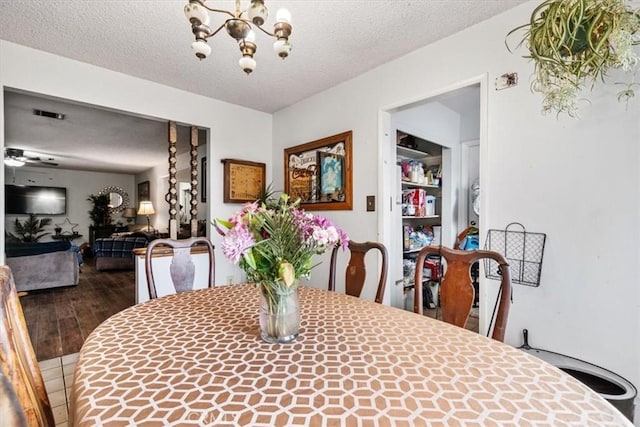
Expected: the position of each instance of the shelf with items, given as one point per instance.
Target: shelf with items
(409, 184)
(417, 203)
(405, 153)
(430, 280)
(420, 192)
(415, 236)
(422, 173)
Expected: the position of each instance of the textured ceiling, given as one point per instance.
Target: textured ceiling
(333, 41)
(88, 138)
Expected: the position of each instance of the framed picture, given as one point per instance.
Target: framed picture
(330, 177)
(244, 181)
(143, 191)
(203, 185)
(319, 173)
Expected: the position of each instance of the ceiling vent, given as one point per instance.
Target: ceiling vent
(49, 114)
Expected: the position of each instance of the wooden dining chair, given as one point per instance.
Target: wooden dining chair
(456, 288)
(182, 270)
(12, 413)
(19, 364)
(356, 272)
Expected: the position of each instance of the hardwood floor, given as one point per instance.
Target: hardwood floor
(60, 319)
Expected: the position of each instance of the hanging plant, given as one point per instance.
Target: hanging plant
(574, 43)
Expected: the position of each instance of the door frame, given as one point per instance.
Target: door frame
(386, 177)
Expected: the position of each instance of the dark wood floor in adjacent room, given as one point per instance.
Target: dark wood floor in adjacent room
(60, 319)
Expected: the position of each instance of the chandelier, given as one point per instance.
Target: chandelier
(239, 26)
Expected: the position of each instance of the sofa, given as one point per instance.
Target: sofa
(43, 265)
(115, 252)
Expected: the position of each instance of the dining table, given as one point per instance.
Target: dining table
(196, 358)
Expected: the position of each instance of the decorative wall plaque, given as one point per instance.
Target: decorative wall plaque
(244, 181)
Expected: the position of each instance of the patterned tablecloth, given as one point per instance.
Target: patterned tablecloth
(196, 359)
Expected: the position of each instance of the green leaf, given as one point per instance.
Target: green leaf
(226, 224)
(249, 258)
(287, 273)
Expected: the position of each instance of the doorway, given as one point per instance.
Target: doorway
(455, 120)
(86, 148)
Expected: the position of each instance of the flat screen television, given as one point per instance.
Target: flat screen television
(25, 199)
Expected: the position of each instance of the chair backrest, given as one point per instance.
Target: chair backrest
(19, 363)
(182, 269)
(12, 413)
(456, 288)
(356, 272)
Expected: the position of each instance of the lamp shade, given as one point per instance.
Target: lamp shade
(146, 208)
(129, 213)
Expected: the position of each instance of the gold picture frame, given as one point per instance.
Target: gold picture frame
(244, 181)
(320, 173)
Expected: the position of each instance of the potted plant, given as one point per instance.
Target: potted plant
(100, 214)
(31, 230)
(574, 43)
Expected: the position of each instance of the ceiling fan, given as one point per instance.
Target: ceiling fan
(15, 157)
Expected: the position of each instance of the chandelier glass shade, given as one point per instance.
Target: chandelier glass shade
(240, 26)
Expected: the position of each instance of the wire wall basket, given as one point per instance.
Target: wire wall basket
(522, 250)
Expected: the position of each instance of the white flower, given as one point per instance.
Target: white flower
(320, 236)
(332, 235)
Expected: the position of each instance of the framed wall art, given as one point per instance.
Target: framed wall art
(319, 173)
(244, 181)
(143, 191)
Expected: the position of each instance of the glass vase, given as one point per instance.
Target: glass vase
(279, 313)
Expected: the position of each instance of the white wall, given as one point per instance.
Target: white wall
(79, 185)
(575, 180)
(36, 71)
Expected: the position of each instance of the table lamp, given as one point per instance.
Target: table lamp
(129, 214)
(146, 208)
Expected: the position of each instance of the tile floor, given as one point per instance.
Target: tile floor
(58, 379)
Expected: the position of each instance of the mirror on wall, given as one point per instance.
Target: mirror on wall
(118, 198)
(115, 199)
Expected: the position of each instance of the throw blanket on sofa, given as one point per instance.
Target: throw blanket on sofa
(117, 247)
(35, 248)
(116, 253)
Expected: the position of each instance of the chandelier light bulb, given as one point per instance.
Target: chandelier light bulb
(282, 48)
(283, 15)
(201, 49)
(195, 12)
(248, 64)
(258, 12)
